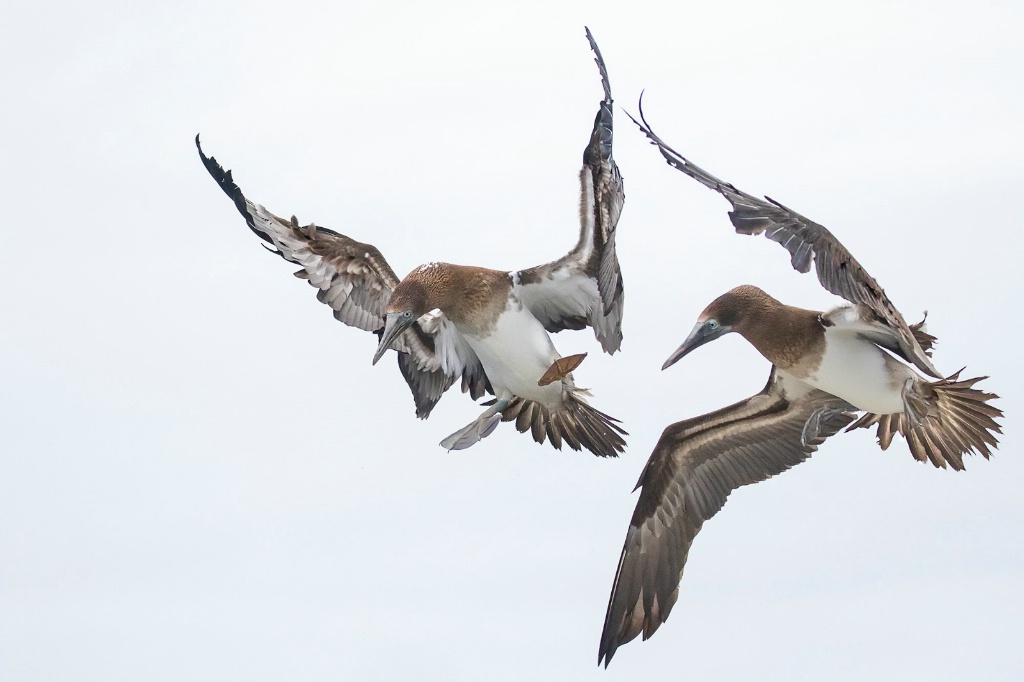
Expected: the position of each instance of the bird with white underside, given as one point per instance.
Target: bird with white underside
(487, 328)
(845, 368)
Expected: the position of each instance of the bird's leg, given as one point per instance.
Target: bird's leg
(915, 403)
(477, 430)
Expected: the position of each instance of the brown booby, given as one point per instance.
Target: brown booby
(827, 368)
(487, 328)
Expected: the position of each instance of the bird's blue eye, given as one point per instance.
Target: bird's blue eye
(407, 314)
(712, 325)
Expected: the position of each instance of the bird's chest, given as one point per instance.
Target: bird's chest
(515, 352)
(858, 371)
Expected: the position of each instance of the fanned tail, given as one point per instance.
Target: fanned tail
(577, 424)
(941, 421)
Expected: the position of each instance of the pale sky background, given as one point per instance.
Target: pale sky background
(204, 478)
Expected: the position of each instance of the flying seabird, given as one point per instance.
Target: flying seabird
(487, 328)
(827, 368)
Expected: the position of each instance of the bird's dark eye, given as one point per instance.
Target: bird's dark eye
(712, 325)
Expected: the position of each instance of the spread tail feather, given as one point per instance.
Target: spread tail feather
(576, 423)
(942, 421)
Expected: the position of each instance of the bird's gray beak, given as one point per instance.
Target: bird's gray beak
(394, 325)
(700, 335)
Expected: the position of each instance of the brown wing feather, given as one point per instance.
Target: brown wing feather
(693, 468)
(807, 241)
(589, 273)
(356, 281)
(353, 278)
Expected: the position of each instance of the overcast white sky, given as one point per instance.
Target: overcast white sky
(203, 477)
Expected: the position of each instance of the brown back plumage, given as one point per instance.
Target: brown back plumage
(470, 296)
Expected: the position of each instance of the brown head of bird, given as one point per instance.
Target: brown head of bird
(744, 309)
(409, 301)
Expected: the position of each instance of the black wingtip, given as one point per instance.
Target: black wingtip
(222, 177)
(227, 184)
(217, 172)
(642, 124)
(640, 107)
(607, 652)
(599, 60)
(599, 148)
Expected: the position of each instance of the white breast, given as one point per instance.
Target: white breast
(516, 354)
(860, 372)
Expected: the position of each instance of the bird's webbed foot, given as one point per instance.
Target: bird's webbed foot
(560, 369)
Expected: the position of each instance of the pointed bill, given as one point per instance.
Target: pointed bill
(394, 325)
(700, 335)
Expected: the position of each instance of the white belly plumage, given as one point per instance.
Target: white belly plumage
(516, 354)
(861, 373)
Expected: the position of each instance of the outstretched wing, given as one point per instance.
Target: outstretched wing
(807, 242)
(584, 287)
(693, 468)
(356, 281)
